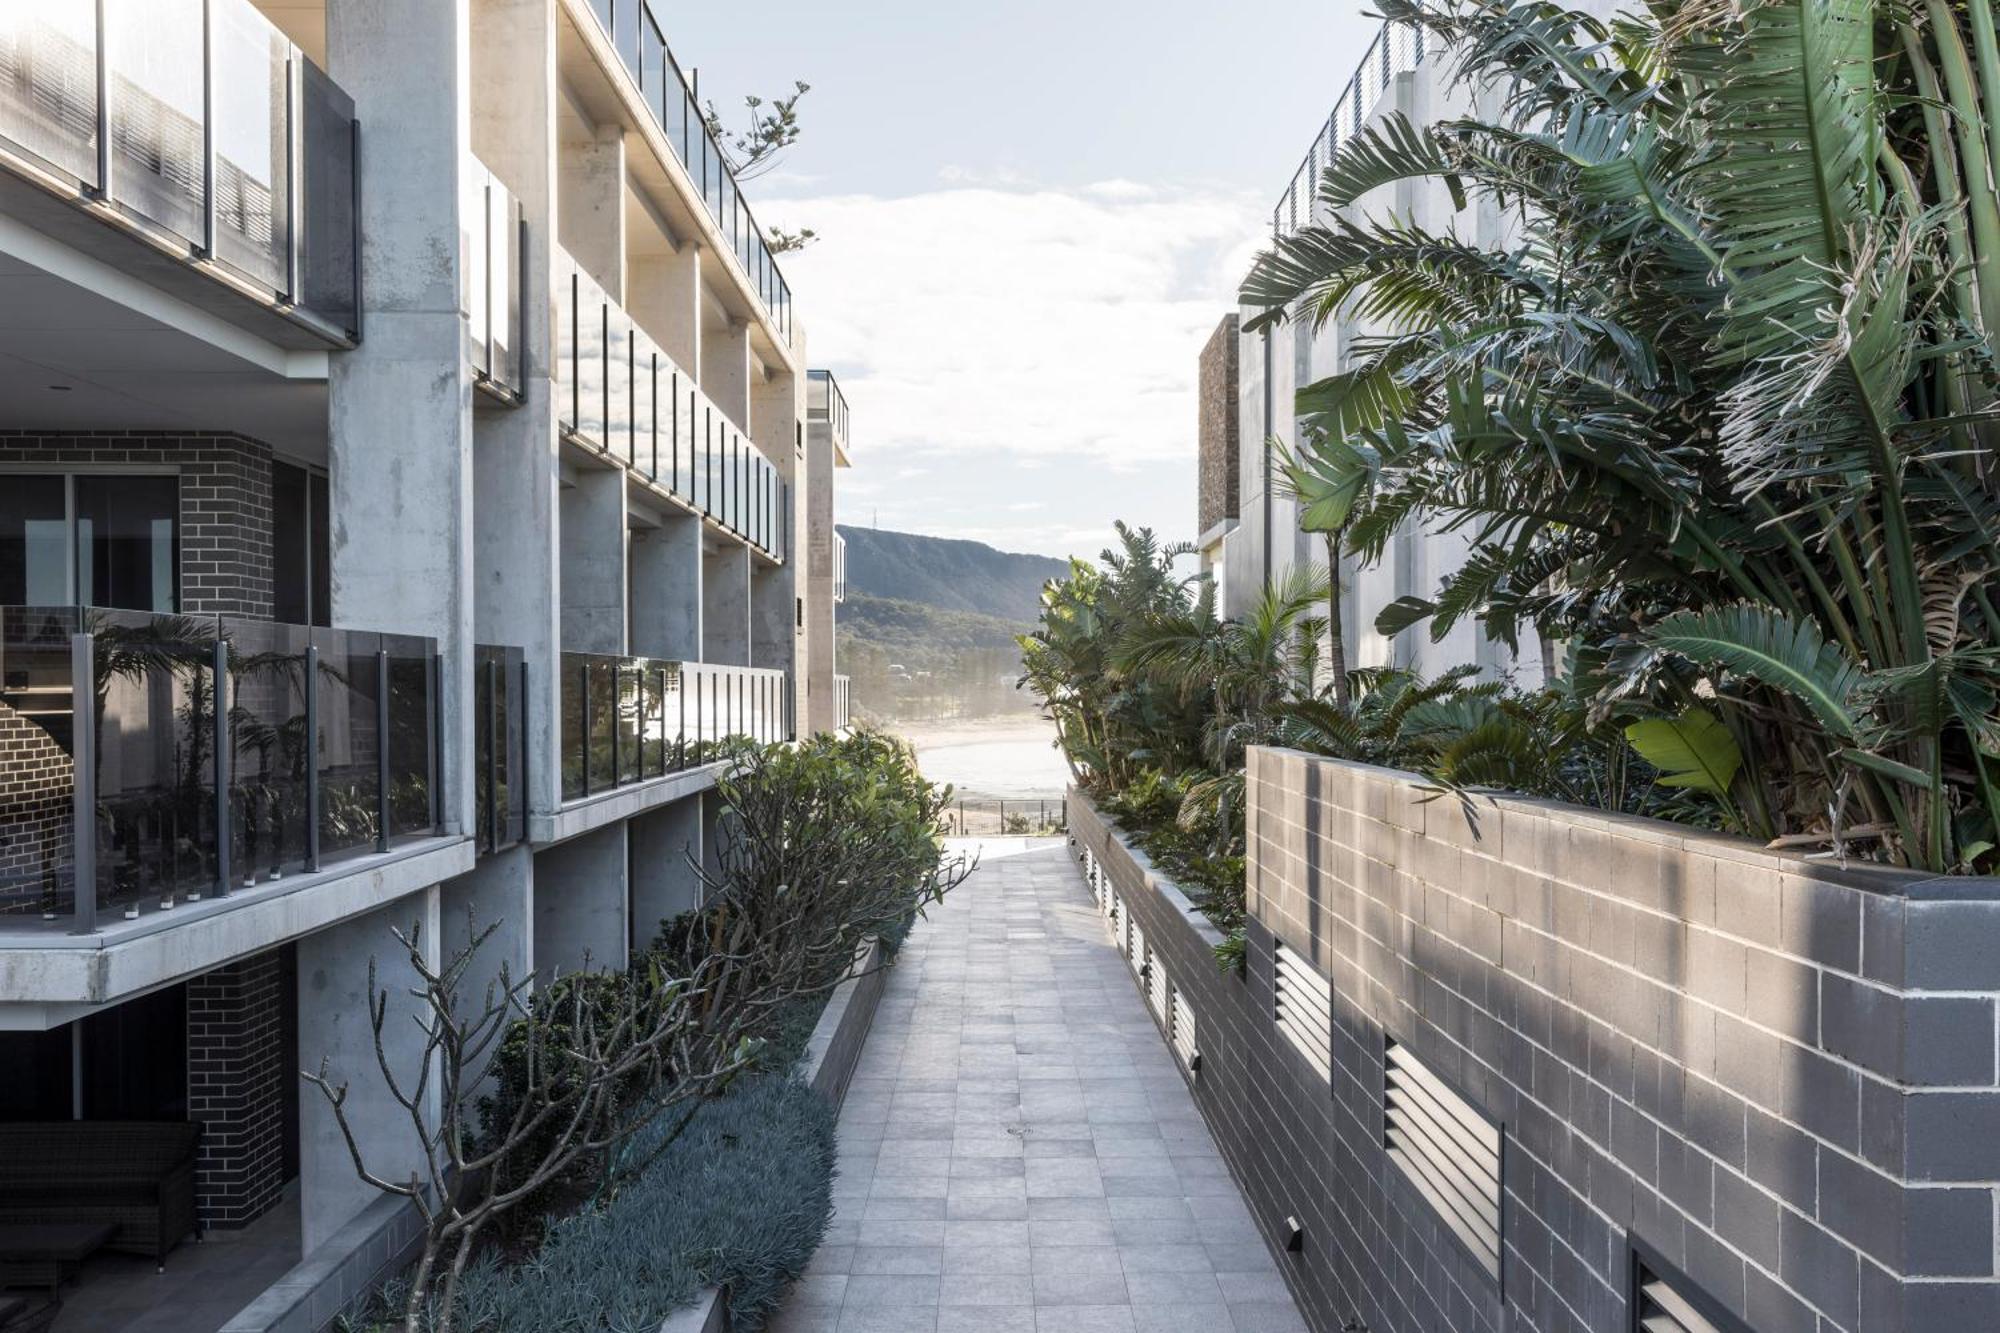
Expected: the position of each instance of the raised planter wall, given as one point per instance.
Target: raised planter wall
(1773, 1078)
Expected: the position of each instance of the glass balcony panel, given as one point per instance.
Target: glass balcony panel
(630, 721)
(617, 435)
(652, 62)
(155, 746)
(250, 99)
(568, 317)
(601, 683)
(592, 359)
(411, 737)
(349, 741)
(504, 286)
(574, 742)
(475, 282)
(625, 21)
(48, 84)
(645, 362)
(158, 143)
(269, 749)
(327, 257)
(664, 754)
(37, 699)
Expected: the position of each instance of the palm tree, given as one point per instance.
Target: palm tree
(1724, 411)
(1329, 480)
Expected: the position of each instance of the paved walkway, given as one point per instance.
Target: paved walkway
(1018, 1153)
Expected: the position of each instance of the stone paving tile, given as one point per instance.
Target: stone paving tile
(1018, 1151)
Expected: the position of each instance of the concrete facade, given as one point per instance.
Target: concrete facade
(1766, 1079)
(506, 148)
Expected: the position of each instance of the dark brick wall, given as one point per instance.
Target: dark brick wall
(236, 1087)
(1779, 1075)
(225, 505)
(35, 780)
(1218, 434)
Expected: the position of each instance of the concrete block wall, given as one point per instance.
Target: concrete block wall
(1777, 1075)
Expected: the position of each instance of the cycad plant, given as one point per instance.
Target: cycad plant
(1723, 409)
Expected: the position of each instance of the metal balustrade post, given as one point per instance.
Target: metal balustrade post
(492, 727)
(312, 758)
(617, 708)
(225, 823)
(208, 129)
(83, 776)
(434, 738)
(583, 721)
(381, 749)
(526, 748)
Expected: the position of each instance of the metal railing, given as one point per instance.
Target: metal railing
(633, 719)
(202, 125)
(637, 37)
(153, 760)
(620, 393)
(494, 276)
(843, 702)
(1020, 817)
(1397, 49)
(500, 745)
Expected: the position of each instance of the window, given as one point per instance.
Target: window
(1447, 1149)
(1663, 1301)
(90, 539)
(1181, 1032)
(299, 583)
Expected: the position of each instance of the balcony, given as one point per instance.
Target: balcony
(197, 128)
(627, 720)
(635, 35)
(157, 761)
(619, 394)
(826, 405)
(495, 246)
(843, 702)
(839, 568)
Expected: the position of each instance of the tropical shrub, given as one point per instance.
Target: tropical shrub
(1720, 416)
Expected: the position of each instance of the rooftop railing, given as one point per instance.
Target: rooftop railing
(825, 402)
(1397, 49)
(201, 124)
(619, 393)
(153, 761)
(633, 719)
(636, 35)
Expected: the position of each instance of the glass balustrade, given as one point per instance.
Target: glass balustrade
(619, 392)
(492, 225)
(200, 123)
(1396, 49)
(175, 758)
(632, 719)
(635, 33)
(500, 740)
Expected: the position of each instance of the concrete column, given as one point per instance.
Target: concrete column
(774, 615)
(399, 409)
(517, 478)
(711, 837)
(666, 589)
(591, 206)
(813, 546)
(663, 292)
(664, 885)
(582, 907)
(499, 892)
(334, 1027)
(593, 561)
(725, 605)
(725, 370)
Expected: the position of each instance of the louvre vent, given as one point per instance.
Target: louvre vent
(1449, 1151)
(1304, 1004)
(1135, 949)
(1156, 985)
(1180, 1031)
(1662, 1304)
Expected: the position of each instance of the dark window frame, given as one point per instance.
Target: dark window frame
(1642, 1258)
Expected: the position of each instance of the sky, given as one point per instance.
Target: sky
(1031, 217)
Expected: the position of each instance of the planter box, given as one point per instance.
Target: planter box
(835, 1046)
(1765, 1082)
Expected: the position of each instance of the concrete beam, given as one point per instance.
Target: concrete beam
(726, 614)
(334, 1028)
(582, 908)
(592, 541)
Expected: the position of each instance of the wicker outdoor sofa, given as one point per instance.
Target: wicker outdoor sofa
(136, 1175)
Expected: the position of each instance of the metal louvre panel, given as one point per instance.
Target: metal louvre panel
(1136, 951)
(1180, 1029)
(1304, 1009)
(1664, 1310)
(1447, 1149)
(1156, 984)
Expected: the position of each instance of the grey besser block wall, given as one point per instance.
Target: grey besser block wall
(1777, 1073)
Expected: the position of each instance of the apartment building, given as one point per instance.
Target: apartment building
(1250, 534)
(409, 470)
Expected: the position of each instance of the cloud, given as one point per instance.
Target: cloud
(1045, 328)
